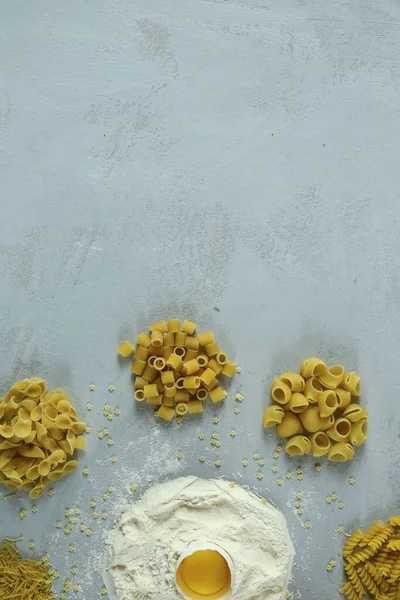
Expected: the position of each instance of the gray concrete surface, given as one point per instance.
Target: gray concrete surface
(165, 158)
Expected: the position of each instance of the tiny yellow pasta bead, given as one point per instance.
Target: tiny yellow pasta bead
(207, 377)
(143, 340)
(333, 377)
(175, 362)
(273, 416)
(181, 409)
(139, 395)
(174, 325)
(156, 350)
(160, 326)
(166, 413)
(289, 426)
(298, 445)
(191, 366)
(156, 339)
(181, 352)
(221, 358)
(344, 398)
(311, 419)
(340, 430)
(188, 327)
(359, 432)
(192, 382)
(320, 443)
(355, 412)
(195, 406)
(294, 381)
(297, 403)
(215, 366)
(328, 403)
(351, 383)
(341, 452)
(180, 338)
(142, 353)
(202, 360)
(138, 367)
(281, 392)
(201, 394)
(212, 350)
(312, 390)
(167, 377)
(217, 394)
(313, 367)
(159, 363)
(206, 338)
(125, 349)
(229, 369)
(150, 390)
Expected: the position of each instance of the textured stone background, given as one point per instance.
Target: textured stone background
(164, 158)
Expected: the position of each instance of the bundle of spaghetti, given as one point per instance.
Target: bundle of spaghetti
(23, 579)
(372, 562)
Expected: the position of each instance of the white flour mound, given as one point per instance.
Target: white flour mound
(143, 551)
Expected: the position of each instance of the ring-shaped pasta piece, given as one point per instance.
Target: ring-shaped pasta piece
(290, 425)
(294, 381)
(359, 432)
(297, 403)
(273, 416)
(281, 392)
(201, 394)
(355, 412)
(341, 452)
(333, 377)
(310, 419)
(320, 443)
(351, 383)
(157, 339)
(313, 367)
(340, 430)
(327, 403)
(181, 408)
(298, 445)
(344, 398)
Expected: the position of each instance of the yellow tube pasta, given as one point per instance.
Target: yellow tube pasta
(290, 425)
(182, 396)
(138, 367)
(180, 339)
(215, 366)
(190, 367)
(159, 363)
(341, 452)
(170, 390)
(207, 377)
(313, 367)
(320, 443)
(298, 445)
(221, 358)
(192, 382)
(297, 403)
(125, 349)
(351, 383)
(206, 338)
(273, 416)
(156, 339)
(311, 419)
(217, 394)
(327, 403)
(181, 409)
(201, 394)
(229, 369)
(143, 340)
(167, 377)
(150, 390)
(294, 381)
(169, 339)
(174, 362)
(173, 325)
(281, 392)
(160, 326)
(212, 350)
(188, 327)
(340, 430)
(150, 373)
(333, 377)
(165, 412)
(192, 343)
(359, 432)
(195, 407)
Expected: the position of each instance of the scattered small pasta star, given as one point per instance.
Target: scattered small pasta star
(61, 596)
(179, 455)
(214, 436)
(261, 462)
(274, 469)
(300, 511)
(297, 504)
(287, 594)
(67, 529)
(201, 436)
(179, 419)
(238, 369)
(92, 387)
(117, 412)
(340, 505)
(89, 532)
(111, 489)
(329, 567)
(318, 468)
(92, 504)
(256, 456)
(260, 476)
(34, 508)
(233, 433)
(110, 417)
(279, 448)
(111, 388)
(110, 442)
(87, 429)
(300, 477)
(263, 501)
(58, 524)
(215, 420)
(232, 484)
(103, 591)
(104, 515)
(352, 480)
(106, 410)
(279, 481)
(105, 497)
(238, 397)
(218, 463)
(275, 455)
(71, 548)
(51, 492)
(328, 499)
(307, 525)
(89, 406)
(100, 435)
(217, 444)
(202, 459)
(67, 512)
(74, 570)
(77, 511)
(67, 585)
(106, 431)
(95, 515)
(31, 545)
(299, 495)
(133, 487)
(245, 462)
(114, 459)
(299, 470)
(82, 528)
(85, 471)
(22, 513)
(76, 588)
(72, 520)
(333, 563)
(288, 475)
(236, 410)
(340, 529)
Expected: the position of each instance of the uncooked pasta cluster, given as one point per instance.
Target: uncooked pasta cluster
(39, 431)
(175, 370)
(317, 411)
(372, 562)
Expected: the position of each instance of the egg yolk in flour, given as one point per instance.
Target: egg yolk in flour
(204, 574)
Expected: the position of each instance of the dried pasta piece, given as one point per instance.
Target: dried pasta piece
(327, 422)
(327, 403)
(273, 416)
(359, 432)
(143, 340)
(333, 377)
(188, 327)
(195, 406)
(340, 430)
(351, 383)
(310, 419)
(160, 326)
(165, 412)
(298, 445)
(138, 367)
(229, 369)
(313, 367)
(297, 403)
(181, 408)
(295, 381)
(142, 353)
(341, 452)
(206, 338)
(212, 350)
(281, 392)
(217, 395)
(320, 443)
(355, 412)
(290, 425)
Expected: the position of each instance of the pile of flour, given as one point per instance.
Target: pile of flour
(143, 551)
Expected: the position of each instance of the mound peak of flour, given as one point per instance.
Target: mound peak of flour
(143, 551)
